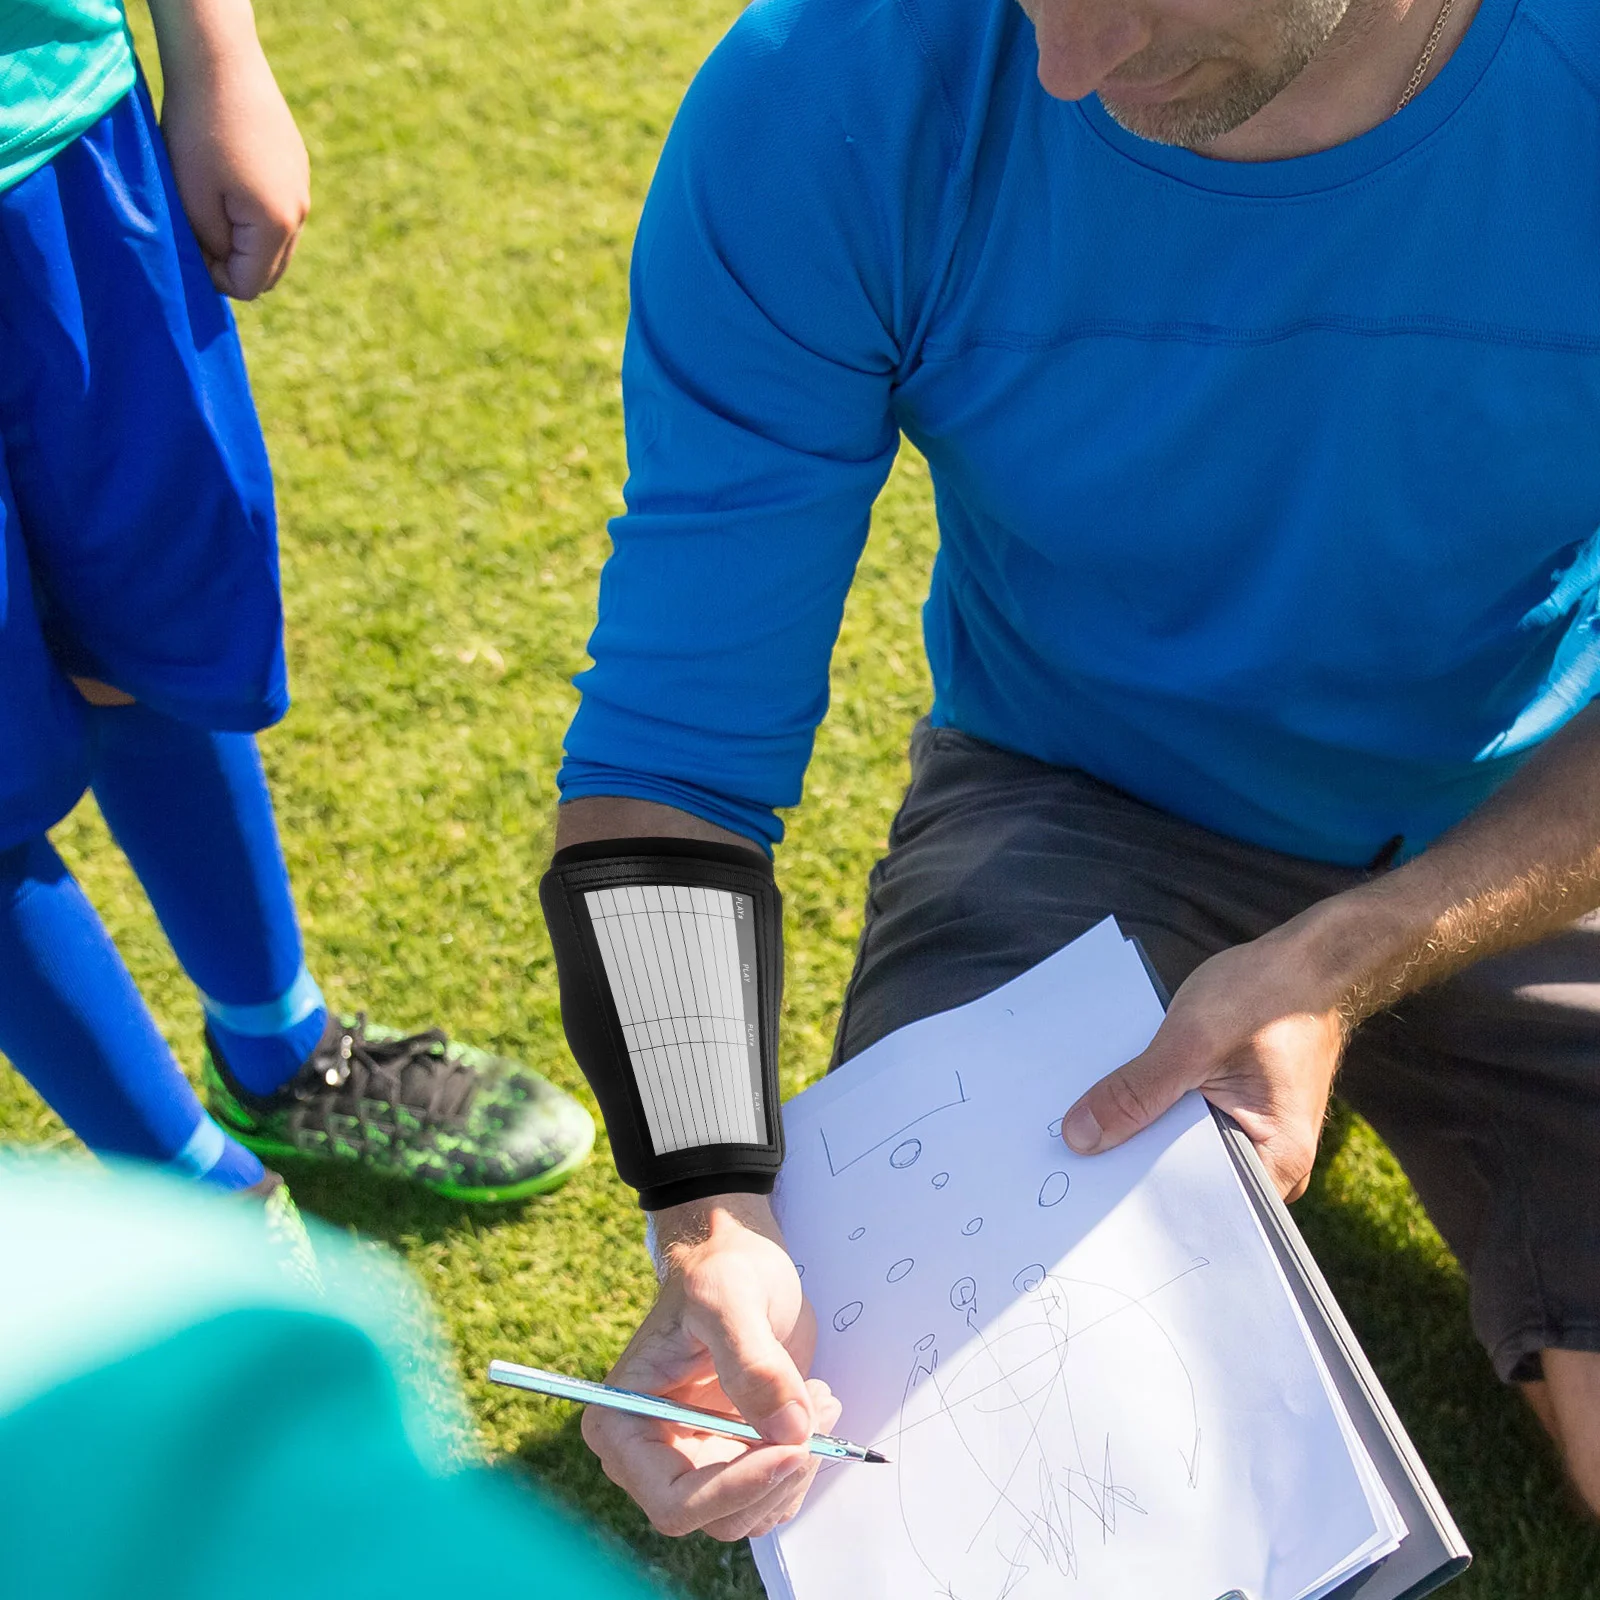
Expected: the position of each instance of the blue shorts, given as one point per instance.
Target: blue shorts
(138, 543)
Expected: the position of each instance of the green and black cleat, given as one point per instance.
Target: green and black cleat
(458, 1121)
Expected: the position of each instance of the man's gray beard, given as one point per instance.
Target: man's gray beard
(1304, 26)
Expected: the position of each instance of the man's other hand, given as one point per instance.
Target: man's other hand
(730, 1331)
(1256, 1032)
(241, 166)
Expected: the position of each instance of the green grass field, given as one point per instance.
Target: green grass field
(438, 379)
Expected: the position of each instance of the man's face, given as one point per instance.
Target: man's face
(1178, 71)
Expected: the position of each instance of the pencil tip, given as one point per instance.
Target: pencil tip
(872, 1455)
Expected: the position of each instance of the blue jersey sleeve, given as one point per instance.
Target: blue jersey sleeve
(781, 266)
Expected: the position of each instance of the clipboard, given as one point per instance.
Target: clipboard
(1433, 1551)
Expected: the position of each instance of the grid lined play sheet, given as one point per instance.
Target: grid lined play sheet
(682, 967)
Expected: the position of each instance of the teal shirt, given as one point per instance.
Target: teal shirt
(63, 65)
(182, 1418)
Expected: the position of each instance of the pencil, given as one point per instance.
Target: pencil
(585, 1393)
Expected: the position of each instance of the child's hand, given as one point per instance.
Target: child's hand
(239, 161)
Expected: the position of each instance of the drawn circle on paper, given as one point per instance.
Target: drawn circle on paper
(964, 1294)
(1029, 1278)
(899, 1270)
(925, 1342)
(905, 1154)
(940, 1179)
(1054, 1189)
(846, 1315)
(1032, 1353)
(974, 1226)
(1054, 1130)
(799, 1269)
(857, 1234)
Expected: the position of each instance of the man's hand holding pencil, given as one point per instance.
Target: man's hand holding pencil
(730, 1331)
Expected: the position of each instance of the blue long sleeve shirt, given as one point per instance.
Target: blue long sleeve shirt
(1265, 491)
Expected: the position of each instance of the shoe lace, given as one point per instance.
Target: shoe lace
(415, 1071)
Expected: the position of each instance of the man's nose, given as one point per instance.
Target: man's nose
(1082, 42)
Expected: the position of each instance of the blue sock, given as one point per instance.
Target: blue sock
(79, 1032)
(192, 812)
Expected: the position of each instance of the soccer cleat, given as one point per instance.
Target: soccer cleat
(458, 1121)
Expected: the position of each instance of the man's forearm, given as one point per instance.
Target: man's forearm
(608, 816)
(1522, 866)
(675, 1232)
(658, 857)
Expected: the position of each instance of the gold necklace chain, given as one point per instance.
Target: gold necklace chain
(1427, 55)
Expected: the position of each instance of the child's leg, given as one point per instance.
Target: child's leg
(191, 811)
(141, 481)
(75, 1026)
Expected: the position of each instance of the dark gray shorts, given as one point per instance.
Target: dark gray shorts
(1486, 1087)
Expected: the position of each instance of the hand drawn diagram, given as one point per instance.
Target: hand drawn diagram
(1017, 1467)
(846, 1315)
(1036, 1453)
(964, 1297)
(843, 1151)
(1044, 1346)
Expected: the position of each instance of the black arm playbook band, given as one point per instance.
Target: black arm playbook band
(670, 956)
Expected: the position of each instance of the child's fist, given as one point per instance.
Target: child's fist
(241, 169)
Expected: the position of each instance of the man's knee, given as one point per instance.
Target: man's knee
(1567, 1401)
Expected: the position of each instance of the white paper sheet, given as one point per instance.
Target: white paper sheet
(1088, 1373)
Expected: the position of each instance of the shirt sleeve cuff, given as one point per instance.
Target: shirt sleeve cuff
(583, 779)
